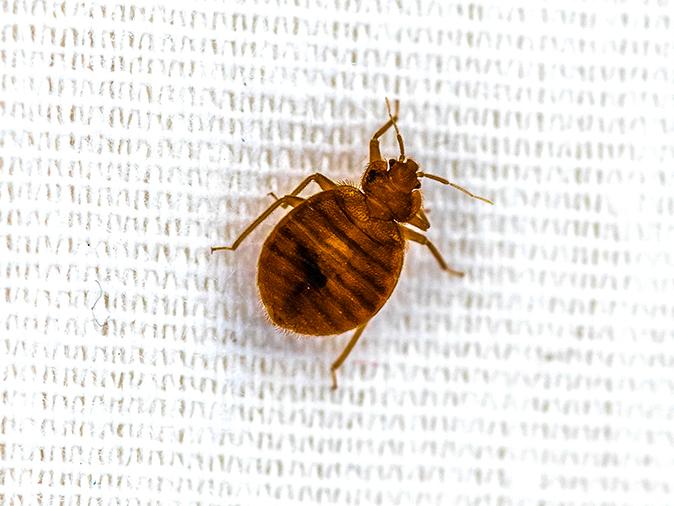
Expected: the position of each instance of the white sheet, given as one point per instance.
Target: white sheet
(136, 135)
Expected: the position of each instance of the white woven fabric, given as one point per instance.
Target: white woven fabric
(136, 368)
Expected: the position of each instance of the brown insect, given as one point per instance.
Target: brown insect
(333, 261)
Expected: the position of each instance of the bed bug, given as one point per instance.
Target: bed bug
(332, 262)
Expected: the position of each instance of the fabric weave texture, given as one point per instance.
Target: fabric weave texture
(137, 368)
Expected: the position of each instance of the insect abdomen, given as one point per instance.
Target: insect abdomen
(322, 272)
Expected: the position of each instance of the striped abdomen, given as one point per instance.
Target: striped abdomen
(322, 271)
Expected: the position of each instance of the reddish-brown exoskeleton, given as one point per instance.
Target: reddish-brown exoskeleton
(333, 261)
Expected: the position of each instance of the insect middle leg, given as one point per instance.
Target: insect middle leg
(412, 235)
(345, 353)
(322, 181)
(288, 200)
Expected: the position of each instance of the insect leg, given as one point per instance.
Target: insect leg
(412, 235)
(320, 179)
(422, 214)
(375, 154)
(419, 220)
(345, 353)
(288, 200)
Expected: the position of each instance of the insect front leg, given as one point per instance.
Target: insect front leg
(419, 220)
(412, 235)
(345, 353)
(375, 153)
(288, 200)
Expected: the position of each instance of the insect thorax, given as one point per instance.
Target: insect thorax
(392, 190)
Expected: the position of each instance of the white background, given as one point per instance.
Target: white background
(136, 135)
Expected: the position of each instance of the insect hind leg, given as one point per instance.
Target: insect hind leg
(345, 353)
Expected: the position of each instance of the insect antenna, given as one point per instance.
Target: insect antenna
(460, 188)
(395, 126)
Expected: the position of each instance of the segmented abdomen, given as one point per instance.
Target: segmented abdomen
(322, 272)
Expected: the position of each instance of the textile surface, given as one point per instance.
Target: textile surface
(137, 368)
